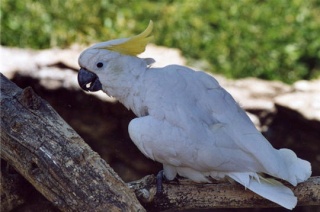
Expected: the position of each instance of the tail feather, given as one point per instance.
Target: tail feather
(298, 170)
(268, 188)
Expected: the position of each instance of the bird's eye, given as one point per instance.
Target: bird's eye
(99, 65)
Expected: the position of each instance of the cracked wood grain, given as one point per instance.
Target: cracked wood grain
(47, 152)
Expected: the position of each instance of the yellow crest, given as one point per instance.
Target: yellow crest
(134, 45)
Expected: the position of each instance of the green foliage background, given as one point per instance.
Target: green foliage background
(270, 39)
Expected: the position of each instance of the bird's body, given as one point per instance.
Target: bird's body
(190, 124)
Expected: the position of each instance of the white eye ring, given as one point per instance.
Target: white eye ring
(99, 65)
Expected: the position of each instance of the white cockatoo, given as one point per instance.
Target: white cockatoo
(188, 122)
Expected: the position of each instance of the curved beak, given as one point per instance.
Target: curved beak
(89, 81)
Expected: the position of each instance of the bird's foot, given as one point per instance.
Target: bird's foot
(162, 178)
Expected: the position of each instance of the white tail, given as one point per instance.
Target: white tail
(268, 188)
(298, 170)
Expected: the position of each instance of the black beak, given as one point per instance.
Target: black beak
(89, 81)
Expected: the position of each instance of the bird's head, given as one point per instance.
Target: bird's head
(107, 57)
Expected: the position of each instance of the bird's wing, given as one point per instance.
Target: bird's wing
(193, 122)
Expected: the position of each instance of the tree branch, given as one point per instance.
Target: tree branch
(189, 195)
(54, 159)
(59, 164)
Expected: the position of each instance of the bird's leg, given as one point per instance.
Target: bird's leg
(160, 178)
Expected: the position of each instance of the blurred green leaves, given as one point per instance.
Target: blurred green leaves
(274, 39)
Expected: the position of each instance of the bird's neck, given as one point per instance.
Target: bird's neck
(127, 87)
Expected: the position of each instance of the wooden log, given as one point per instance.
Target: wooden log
(189, 195)
(47, 152)
(56, 161)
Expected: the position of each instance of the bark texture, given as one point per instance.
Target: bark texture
(185, 194)
(47, 152)
(50, 155)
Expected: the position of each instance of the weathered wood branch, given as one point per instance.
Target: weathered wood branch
(54, 159)
(185, 194)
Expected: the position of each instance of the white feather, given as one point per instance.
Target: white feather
(268, 188)
(188, 122)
